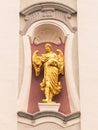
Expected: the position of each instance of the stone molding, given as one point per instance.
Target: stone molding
(59, 115)
(47, 11)
(47, 5)
(49, 116)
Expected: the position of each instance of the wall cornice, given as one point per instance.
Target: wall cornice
(41, 6)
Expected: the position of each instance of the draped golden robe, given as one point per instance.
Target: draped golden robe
(51, 73)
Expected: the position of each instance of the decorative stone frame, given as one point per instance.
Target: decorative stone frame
(48, 10)
(57, 15)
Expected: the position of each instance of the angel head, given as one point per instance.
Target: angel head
(48, 47)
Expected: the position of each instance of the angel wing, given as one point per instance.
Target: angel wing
(36, 60)
(60, 61)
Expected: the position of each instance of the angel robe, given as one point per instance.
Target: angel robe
(51, 72)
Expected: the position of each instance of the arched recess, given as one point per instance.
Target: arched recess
(71, 87)
(58, 18)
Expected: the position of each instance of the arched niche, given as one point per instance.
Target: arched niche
(63, 31)
(47, 32)
(53, 22)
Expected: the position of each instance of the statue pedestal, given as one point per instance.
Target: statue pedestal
(49, 106)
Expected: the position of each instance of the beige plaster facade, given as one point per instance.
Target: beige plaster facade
(9, 64)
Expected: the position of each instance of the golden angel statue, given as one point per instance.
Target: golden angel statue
(53, 67)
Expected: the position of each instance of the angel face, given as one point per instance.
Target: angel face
(48, 47)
